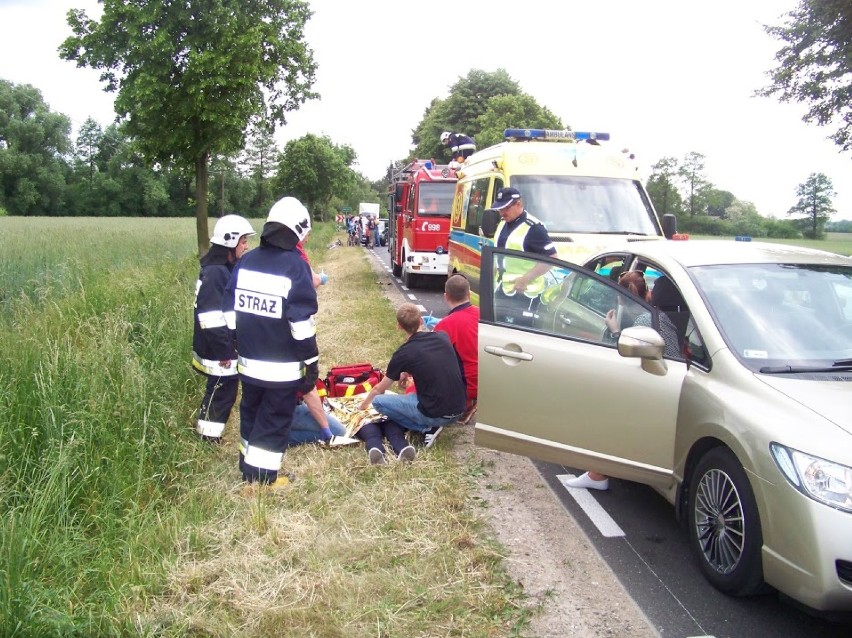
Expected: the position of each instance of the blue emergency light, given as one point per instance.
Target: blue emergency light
(552, 135)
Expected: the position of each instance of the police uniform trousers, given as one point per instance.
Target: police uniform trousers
(266, 415)
(517, 309)
(216, 405)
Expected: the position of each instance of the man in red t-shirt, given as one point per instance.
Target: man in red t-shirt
(462, 326)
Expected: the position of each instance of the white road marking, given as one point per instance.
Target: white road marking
(412, 297)
(422, 309)
(603, 521)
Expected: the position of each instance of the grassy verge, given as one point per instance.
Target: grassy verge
(840, 243)
(117, 521)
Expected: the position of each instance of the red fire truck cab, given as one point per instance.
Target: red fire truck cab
(420, 202)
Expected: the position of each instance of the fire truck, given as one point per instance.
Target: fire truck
(420, 202)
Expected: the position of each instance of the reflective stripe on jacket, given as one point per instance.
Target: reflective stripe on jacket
(514, 267)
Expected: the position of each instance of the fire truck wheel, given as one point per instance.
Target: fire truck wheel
(409, 279)
(397, 269)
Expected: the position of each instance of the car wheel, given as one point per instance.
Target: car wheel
(724, 525)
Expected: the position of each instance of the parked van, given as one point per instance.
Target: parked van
(588, 196)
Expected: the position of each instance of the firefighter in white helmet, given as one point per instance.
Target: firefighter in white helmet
(213, 349)
(273, 295)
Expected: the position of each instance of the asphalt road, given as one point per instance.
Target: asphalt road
(635, 531)
(652, 559)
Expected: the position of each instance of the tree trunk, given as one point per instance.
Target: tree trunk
(201, 229)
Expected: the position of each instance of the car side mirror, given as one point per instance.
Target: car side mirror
(669, 225)
(644, 343)
(488, 226)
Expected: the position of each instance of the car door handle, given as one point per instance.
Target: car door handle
(513, 354)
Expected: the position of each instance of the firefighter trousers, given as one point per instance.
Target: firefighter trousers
(266, 415)
(219, 398)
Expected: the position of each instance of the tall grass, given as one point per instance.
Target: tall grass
(94, 394)
(117, 521)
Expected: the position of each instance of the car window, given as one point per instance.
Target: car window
(775, 315)
(566, 301)
(476, 204)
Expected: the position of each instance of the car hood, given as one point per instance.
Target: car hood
(829, 399)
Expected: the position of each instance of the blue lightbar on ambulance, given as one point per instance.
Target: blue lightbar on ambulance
(552, 135)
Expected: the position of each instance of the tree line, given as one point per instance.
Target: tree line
(196, 115)
(103, 172)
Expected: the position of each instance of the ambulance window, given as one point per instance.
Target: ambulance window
(476, 204)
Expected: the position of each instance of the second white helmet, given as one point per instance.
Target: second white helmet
(229, 229)
(445, 136)
(290, 212)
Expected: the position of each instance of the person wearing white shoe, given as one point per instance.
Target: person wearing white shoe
(377, 457)
(590, 481)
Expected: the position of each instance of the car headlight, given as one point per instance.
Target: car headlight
(822, 480)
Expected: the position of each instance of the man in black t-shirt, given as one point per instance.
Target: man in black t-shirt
(440, 398)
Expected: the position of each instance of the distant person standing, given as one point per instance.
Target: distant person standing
(461, 147)
(273, 295)
(376, 235)
(213, 348)
(519, 285)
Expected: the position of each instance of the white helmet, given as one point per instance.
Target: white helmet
(290, 212)
(229, 229)
(445, 136)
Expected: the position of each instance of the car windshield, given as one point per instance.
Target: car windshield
(566, 204)
(436, 199)
(782, 317)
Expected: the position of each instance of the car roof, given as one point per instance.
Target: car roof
(707, 252)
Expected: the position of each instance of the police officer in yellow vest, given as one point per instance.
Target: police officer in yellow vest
(520, 285)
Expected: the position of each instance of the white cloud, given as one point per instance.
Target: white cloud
(664, 77)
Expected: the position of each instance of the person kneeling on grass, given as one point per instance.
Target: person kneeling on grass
(440, 397)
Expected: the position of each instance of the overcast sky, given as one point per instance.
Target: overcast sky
(663, 77)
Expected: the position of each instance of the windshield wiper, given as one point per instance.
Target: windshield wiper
(621, 232)
(842, 365)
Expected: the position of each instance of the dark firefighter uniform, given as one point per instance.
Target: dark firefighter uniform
(272, 294)
(461, 146)
(213, 343)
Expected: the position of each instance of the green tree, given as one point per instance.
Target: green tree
(460, 111)
(88, 143)
(313, 169)
(259, 158)
(695, 184)
(510, 111)
(815, 64)
(662, 187)
(718, 201)
(814, 205)
(191, 75)
(33, 144)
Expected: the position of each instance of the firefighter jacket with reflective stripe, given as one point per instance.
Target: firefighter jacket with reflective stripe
(272, 293)
(512, 268)
(212, 338)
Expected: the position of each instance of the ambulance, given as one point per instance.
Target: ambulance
(589, 196)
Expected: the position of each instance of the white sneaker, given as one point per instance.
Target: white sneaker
(584, 480)
(377, 457)
(339, 441)
(407, 454)
(431, 435)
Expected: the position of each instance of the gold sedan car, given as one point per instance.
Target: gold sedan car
(731, 395)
